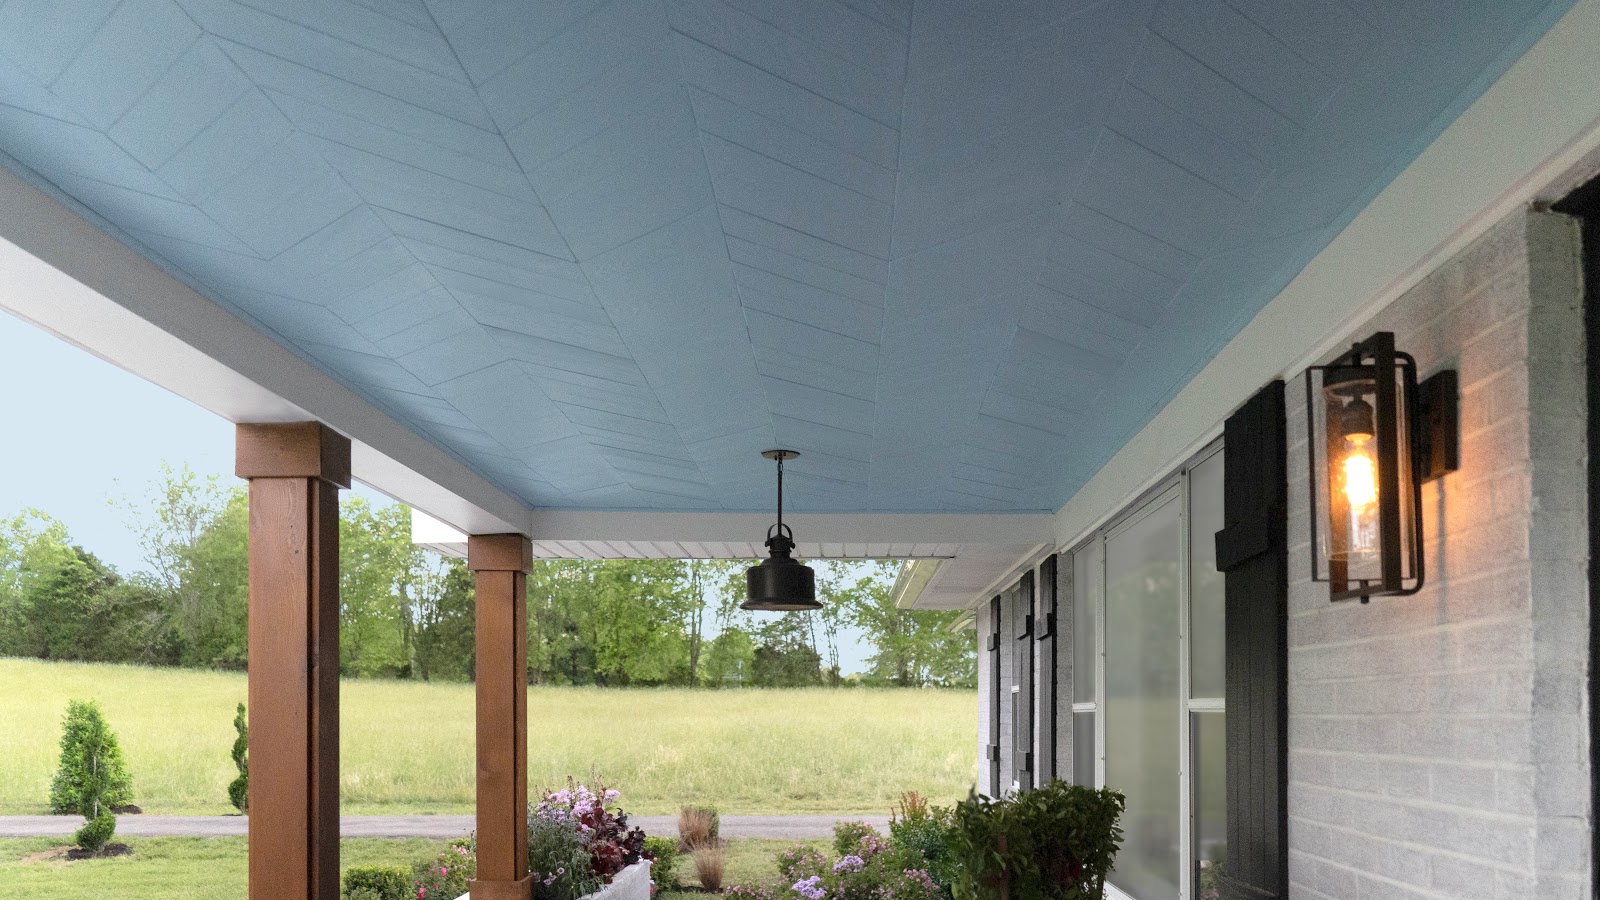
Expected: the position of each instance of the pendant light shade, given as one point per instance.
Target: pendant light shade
(780, 583)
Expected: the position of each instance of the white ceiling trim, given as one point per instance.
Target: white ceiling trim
(73, 279)
(1527, 130)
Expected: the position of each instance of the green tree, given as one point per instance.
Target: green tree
(442, 596)
(730, 658)
(377, 624)
(91, 778)
(31, 543)
(195, 533)
(913, 648)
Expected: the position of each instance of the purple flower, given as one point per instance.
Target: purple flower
(811, 888)
(851, 863)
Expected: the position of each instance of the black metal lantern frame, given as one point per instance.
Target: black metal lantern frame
(1374, 435)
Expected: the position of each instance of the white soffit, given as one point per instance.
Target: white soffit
(73, 279)
(1528, 129)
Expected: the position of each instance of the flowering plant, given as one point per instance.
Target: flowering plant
(445, 877)
(612, 846)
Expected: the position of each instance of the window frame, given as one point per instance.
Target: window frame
(1177, 485)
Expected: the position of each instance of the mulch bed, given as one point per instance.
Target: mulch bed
(57, 854)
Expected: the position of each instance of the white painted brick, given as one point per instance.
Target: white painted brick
(1439, 742)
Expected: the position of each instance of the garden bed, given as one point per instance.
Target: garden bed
(632, 883)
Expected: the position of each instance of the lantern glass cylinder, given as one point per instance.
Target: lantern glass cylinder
(1363, 480)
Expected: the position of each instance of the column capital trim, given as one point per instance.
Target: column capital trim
(499, 553)
(292, 450)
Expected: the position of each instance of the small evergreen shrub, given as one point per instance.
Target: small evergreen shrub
(663, 853)
(378, 883)
(239, 788)
(95, 833)
(91, 778)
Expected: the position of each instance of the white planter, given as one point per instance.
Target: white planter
(632, 883)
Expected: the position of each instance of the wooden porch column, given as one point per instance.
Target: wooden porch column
(295, 472)
(499, 564)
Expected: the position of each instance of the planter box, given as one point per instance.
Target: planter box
(632, 883)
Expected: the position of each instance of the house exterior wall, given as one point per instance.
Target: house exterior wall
(1438, 742)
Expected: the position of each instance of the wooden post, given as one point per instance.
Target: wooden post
(500, 564)
(295, 472)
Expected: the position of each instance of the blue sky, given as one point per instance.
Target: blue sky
(83, 433)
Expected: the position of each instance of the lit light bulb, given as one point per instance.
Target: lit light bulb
(1361, 493)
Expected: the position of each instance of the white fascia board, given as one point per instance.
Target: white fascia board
(1526, 131)
(811, 528)
(71, 278)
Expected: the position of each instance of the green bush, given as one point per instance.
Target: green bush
(664, 853)
(91, 778)
(96, 832)
(378, 883)
(920, 838)
(239, 788)
(847, 836)
(90, 757)
(1054, 843)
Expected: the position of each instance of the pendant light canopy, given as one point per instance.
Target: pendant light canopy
(780, 583)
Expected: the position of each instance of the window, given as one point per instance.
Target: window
(1147, 671)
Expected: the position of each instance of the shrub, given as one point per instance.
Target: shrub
(920, 836)
(800, 862)
(847, 836)
(710, 861)
(91, 778)
(663, 853)
(1054, 843)
(445, 877)
(697, 825)
(750, 892)
(96, 832)
(378, 882)
(239, 788)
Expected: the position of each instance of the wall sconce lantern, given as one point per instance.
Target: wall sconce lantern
(1375, 436)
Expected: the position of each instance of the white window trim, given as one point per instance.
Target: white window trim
(1163, 493)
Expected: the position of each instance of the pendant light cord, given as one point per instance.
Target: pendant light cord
(780, 494)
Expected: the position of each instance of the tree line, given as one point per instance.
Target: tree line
(407, 612)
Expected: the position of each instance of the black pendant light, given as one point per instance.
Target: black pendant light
(780, 583)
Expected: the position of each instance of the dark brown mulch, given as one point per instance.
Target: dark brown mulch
(127, 810)
(106, 852)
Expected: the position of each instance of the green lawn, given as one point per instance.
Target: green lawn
(214, 868)
(168, 868)
(407, 747)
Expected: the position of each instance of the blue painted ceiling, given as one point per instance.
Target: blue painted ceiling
(956, 253)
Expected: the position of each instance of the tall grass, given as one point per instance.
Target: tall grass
(408, 746)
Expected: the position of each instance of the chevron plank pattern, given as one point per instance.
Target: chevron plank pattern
(604, 251)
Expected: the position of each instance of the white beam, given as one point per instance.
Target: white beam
(71, 278)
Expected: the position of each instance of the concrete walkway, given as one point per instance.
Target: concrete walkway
(782, 827)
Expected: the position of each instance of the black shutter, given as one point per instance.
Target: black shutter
(1022, 727)
(995, 678)
(1045, 625)
(1253, 554)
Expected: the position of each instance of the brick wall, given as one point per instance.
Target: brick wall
(1438, 743)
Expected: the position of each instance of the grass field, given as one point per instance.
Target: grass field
(214, 868)
(407, 747)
